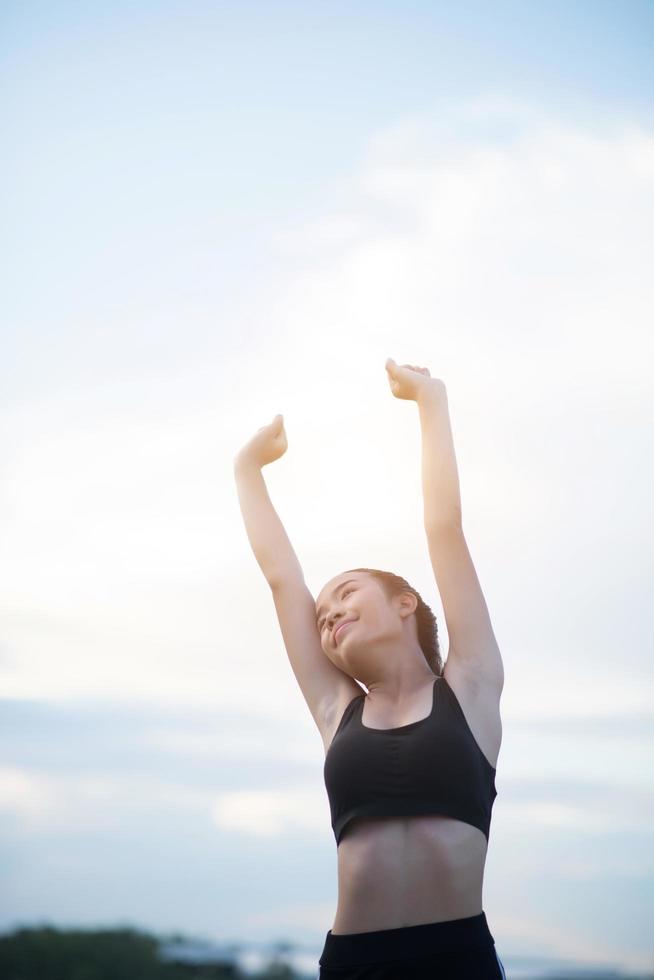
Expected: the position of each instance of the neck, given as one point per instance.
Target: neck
(402, 684)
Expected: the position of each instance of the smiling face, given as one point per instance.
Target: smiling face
(375, 621)
(335, 604)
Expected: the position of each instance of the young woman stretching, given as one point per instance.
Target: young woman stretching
(410, 766)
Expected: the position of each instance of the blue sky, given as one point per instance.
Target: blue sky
(217, 212)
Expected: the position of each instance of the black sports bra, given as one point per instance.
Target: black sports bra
(431, 766)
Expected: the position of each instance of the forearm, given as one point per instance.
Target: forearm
(268, 539)
(440, 478)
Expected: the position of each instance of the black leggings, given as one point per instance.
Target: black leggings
(461, 949)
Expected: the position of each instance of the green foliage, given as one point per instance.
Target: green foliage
(123, 954)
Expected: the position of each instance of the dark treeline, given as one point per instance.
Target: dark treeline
(47, 953)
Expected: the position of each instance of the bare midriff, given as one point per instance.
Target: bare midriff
(408, 871)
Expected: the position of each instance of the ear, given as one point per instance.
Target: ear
(407, 603)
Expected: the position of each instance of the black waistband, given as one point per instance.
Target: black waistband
(409, 942)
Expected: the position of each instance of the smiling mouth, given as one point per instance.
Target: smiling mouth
(341, 627)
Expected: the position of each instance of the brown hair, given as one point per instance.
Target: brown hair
(394, 585)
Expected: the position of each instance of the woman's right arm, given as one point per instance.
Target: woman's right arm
(325, 688)
(268, 539)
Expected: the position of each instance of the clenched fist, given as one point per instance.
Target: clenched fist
(266, 445)
(409, 381)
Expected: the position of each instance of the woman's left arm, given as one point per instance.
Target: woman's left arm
(441, 495)
(472, 641)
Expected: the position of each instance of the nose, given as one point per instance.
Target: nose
(333, 619)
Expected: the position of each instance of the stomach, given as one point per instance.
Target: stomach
(407, 871)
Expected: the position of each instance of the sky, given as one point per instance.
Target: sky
(216, 212)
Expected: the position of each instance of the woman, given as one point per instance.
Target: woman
(409, 766)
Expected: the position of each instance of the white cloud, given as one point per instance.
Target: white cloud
(302, 914)
(23, 793)
(516, 815)
(521, 935)
(518, 269)
(262, 813)
(238, 744)
(63, 802)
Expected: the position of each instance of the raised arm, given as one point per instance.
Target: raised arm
(325, 688)
(472, 642)
(268, 539)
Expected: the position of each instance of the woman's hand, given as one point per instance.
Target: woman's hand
(266, 445)
(409, 381)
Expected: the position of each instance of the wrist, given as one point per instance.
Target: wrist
(244, 463)
(432, 392)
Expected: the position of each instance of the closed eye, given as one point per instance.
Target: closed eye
(321, 621)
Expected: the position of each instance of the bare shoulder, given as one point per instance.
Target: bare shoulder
(480, 703)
